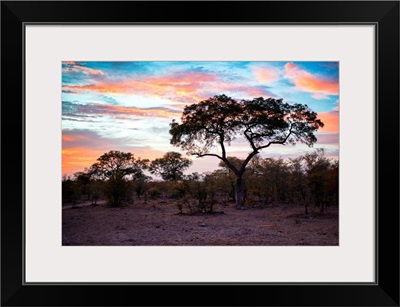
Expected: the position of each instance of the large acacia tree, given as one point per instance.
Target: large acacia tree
(217, 121)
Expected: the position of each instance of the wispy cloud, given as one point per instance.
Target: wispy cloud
(328, 138)
(184, 87)
(303, 80)
(98, 109)
(66, 91)
(74, 67)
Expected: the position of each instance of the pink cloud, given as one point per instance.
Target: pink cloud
(319, 96)
(265, 74)
(74, 67)
(187, 87)
(180, 83)
(328, 138)
(305, 81)
(330, 120)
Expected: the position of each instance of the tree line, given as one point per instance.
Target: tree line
(310, 180)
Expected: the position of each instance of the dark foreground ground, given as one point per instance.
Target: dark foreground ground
(159, 223)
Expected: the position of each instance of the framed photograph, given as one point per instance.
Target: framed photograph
(229, 152)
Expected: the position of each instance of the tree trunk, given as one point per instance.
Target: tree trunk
(240, 192)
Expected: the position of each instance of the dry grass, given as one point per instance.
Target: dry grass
(158, 223)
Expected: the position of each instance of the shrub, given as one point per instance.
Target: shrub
(154, 193)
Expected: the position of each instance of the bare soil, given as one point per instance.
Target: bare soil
(159, 223)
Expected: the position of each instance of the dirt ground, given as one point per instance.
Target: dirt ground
(159, 223)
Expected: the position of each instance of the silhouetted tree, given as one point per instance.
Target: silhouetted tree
(70, 191)
(115, 167)
(218, 120)
(170, 167)
(82, 180)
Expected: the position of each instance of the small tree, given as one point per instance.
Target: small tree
(83, 181)
(218, 120)
(170, 167)
(139, 185)
(115, 167)
(71, 192)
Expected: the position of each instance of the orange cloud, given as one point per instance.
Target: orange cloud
(331, 121)
(178, 84)
(305, 81)
(68, 138)
(76, 159)
(265, 74)
(151, 112)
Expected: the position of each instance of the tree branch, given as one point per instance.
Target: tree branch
(221, 142)
(209, 155)
(277, 142)
(245, 162)
(226, 161)
(250, 141)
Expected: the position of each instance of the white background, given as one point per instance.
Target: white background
(48, 261)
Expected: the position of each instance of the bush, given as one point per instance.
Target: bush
(154, 193)
(117, 192)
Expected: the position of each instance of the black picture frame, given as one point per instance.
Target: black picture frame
(383, 14)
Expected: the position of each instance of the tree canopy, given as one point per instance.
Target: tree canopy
(171, 166)
(116, 165)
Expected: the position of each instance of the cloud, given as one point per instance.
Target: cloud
(319, 96)
(76, 159)
(181, 86)
(108, 99)
(182, 82)
(305, 81)
(265, 74)
(327, 138)
(75, 67)
(97, 109)
(69, 92)
(331, 121)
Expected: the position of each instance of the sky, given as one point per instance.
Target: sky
(128, 106)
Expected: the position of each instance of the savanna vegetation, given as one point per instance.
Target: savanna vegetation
(309, 181)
